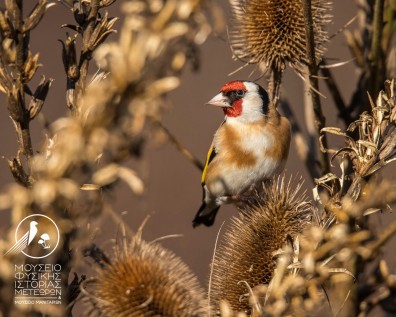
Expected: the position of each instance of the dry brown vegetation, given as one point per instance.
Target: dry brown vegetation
(285, 254)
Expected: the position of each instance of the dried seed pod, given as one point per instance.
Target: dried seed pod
(69, 57)
(37, 102)
(31, 67)
(272, 32)
(245, 257)
(145, 279)
(102, 30)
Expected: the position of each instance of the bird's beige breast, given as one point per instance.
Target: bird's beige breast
(247, 154)
(244, 145)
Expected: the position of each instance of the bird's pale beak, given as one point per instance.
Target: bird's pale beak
(219, 100)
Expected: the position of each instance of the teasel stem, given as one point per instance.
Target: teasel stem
(274, 85)
(376, 56)
(313, 81)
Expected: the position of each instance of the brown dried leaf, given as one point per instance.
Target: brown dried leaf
(369, 145)
(336, 131)
(388, 147)
(31, 66)
(37, 14)
(351, 152)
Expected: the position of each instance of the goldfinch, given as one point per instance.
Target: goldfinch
(250, 146)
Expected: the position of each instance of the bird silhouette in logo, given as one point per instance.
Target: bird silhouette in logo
(26, 239)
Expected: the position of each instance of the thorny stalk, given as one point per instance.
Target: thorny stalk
(274, 84)
(313, 83)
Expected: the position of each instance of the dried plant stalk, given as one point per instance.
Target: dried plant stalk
(312, 81)
(93, 27)
(18, 66)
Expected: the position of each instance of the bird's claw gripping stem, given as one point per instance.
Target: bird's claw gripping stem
(234, 199)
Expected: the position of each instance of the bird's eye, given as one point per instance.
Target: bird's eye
(240, 92)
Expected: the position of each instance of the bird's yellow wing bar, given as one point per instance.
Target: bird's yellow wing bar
(209, 157)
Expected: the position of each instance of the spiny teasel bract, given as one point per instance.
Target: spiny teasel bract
(245, 257)
(272, 32)
(144, 279)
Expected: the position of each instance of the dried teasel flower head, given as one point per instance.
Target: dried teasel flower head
(245, 257)
(145, 279)
(272, 32)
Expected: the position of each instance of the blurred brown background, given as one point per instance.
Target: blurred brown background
(173, 190)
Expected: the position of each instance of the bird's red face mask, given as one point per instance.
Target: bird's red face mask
(230, 98)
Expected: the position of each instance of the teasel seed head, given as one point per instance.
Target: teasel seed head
(145, 279)
(245, 256)
(272, 32)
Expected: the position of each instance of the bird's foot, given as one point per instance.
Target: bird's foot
(224, 200)
(238, 198)
(233, 199)
(247, 194)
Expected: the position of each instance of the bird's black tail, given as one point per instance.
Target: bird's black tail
(206, 215)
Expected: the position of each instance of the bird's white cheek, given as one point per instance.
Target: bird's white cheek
(252, 108)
